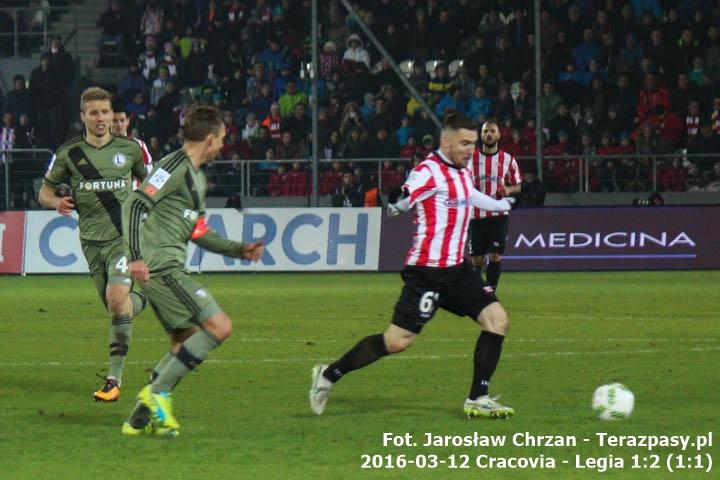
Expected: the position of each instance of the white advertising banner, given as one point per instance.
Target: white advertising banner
(296, 239)
(52, 243)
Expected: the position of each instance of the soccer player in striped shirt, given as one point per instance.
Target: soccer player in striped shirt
(436, 274)
(492, 169)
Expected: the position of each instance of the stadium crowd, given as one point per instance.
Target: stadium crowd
(619, 78)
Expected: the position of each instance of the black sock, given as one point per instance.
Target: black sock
(493, 273)
(365, 352)
(487, 355)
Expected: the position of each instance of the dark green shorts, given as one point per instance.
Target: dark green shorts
(107, 263)
(179, 301)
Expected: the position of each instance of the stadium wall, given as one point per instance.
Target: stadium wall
(343, 239)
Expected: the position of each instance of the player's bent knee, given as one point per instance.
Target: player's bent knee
(219, 325)
(117, 299)
(494, 319)
(398, 345)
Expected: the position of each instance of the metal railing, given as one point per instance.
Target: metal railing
(38, 27)
(581, 174)
(23, 170)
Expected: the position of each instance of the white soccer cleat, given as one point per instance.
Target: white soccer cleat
(319, 390)
(487, 407)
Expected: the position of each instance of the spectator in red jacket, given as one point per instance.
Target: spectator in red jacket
(669, 128)
(331, 179)
(651, 96)
(278, 185)
(674, 176)
(297, 180)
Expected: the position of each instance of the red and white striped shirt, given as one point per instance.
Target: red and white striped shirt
(441, 193)
(692, 123)
(488, 172)
(147, 159)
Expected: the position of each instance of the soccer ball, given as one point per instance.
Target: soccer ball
(613, 401)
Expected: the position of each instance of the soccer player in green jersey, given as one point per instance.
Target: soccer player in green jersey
(100, 167)
(159, 218)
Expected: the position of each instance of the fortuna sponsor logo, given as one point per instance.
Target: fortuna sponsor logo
(102, 185)
(598, 239)
(455, 202)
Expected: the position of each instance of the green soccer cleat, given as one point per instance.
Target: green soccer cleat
(487, 407)
(149, 429)
(160, 405)
(130, 431)
(163, 413)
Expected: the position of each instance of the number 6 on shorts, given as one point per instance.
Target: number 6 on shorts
(428, 301)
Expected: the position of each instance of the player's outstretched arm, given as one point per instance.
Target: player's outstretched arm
(210, 240)
(484, 202)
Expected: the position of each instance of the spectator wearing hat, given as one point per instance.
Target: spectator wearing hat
(328, 60)
(355, 54)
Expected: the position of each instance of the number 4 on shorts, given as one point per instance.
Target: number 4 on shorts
(122, 265)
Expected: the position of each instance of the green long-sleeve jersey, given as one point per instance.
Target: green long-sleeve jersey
(101, 180)
(173, 200)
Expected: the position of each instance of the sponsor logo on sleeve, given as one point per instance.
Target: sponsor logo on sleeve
(156, 181)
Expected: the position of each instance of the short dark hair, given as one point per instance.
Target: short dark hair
(119, 107)
(202, 120)
(456, 121)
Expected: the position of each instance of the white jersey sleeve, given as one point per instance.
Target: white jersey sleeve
(485, 202)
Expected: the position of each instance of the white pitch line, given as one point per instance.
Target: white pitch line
(449, 340)
(309, 360)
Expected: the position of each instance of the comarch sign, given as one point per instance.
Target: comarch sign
(295, 239)
(613, 238)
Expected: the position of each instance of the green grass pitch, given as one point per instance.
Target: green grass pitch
(244, 413)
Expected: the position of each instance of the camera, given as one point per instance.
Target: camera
(653, 200)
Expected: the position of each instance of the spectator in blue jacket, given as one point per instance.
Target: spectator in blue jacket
(586, 51)
(273, 57)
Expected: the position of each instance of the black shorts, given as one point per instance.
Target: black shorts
(487, 235)
(459, 290)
